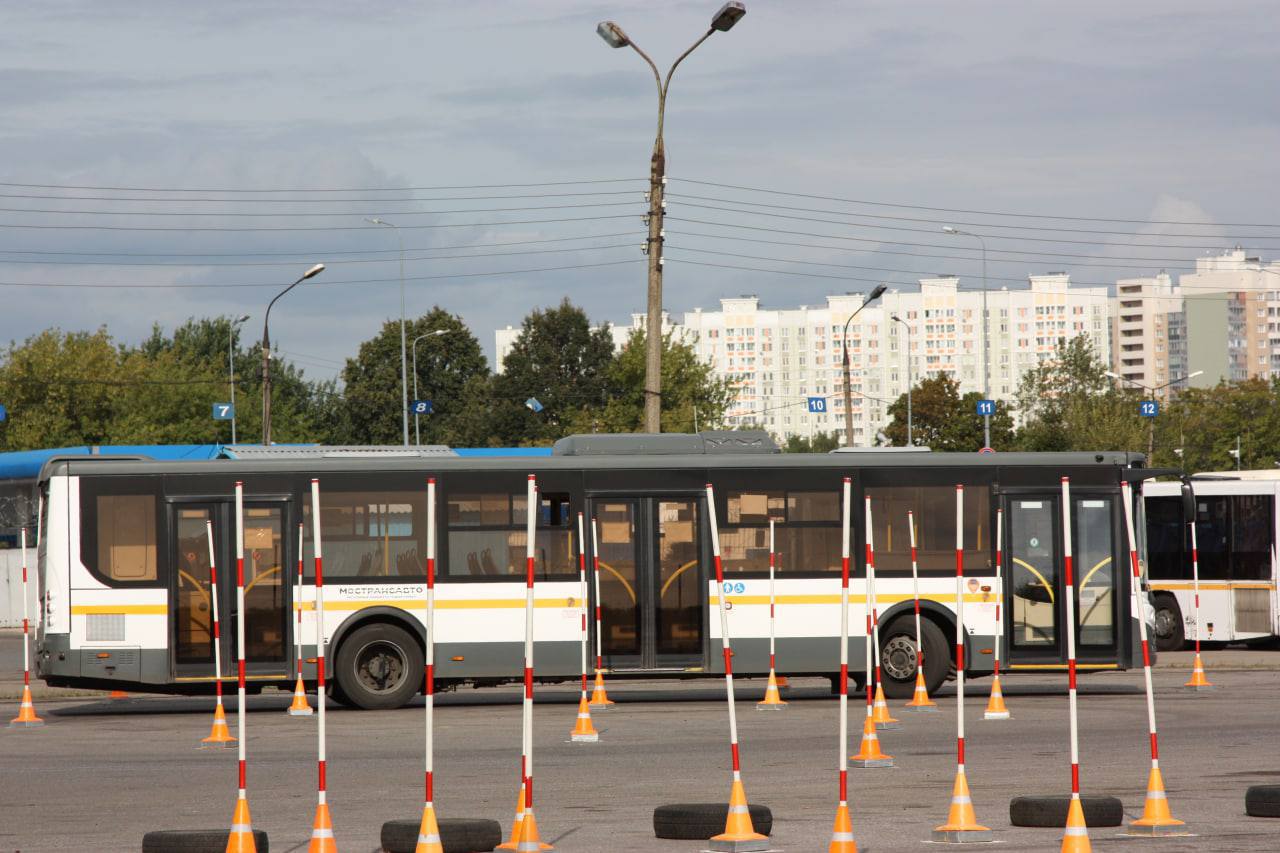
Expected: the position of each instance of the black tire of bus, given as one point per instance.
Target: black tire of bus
(897, 656)
(457, 835)
(195, 841)
(377, 646)
(1262, 801)
(1169, 633)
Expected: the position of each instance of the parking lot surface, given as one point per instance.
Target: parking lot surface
(103, 772)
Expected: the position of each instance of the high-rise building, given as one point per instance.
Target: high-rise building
(1148, 331)
(1232, 318)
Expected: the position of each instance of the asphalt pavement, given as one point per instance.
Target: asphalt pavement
(103, 772)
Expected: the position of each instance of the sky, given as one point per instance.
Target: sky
(162, 161)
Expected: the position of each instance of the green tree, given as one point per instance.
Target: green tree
(52, 385)
(942, 419)
(1056, 396)
(1204, 422)
(561, 362)
(446, 366)
(693, 397)
(822, 442)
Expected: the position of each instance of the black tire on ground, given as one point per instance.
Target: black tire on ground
(1262, 801)
(1051, 811)
(1169, 634)
(898, 656)
(457, 835)
(195, 841)
(379, 666)
(700, 821)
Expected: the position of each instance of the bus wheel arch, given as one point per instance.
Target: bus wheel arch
(378, 657)
(898, 648)
(1170, 636)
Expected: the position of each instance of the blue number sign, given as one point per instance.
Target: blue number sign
(421, 407)
(986, 407)
(818, 404)
(4, 414)
(223, 411)
(1148, 408)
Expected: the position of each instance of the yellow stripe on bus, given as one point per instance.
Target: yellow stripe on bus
(1188, 586)
(447, 604)
(1061, 667)
(117, 609)
(971, 597)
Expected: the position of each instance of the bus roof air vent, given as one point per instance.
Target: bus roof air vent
(716, 442)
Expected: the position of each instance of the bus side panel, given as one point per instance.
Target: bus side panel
(53, 638)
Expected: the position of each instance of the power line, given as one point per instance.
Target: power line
(306, 227)
(337, 199)
(970, 211)
(283, 215)
(226, 190)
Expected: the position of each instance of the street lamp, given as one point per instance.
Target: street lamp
(435, 333)
(906, 326)
(1151, 432)
(404, 365)
(723, 21)
(266, 353)
(231, 368)
(986, 387)
(875, 294)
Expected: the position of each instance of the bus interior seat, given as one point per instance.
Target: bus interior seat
(473, 564)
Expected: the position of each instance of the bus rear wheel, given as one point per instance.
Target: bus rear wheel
(898, 657)
(1170, 636)
(379, 666)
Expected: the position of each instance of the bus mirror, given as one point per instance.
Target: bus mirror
(1188, 503)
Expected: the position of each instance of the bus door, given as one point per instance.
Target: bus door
(653, 570)
(1035, 579)
(268, 556)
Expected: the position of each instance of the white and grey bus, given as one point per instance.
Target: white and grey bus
(126, 594)
(1236, 537)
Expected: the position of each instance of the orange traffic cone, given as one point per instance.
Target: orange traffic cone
(842, 832)
(300, 708)
(1076, 837)
(739, 835)
(600, 699)
(219, 735)
(996, 709)
(322, 832)
(26, 713)
(527, 840)
(583, 731)
(772, 699)
(241, 838)
(920, 701)
(429, 832)
(1156, 818)
(869, 755)
(962, 824)
(782, 681)
(518, 825)
(880, 712)
(118, 694)
(1198, 680)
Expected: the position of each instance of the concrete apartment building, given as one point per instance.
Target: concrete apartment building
(778, 358)
(1232, 318)
(1149, 331)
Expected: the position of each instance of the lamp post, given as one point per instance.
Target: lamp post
(723, 21)
(231, 368)
(266, 353)
(435, 333)
(876, 293)
(906, 326)
(986, 387)
(1151, 431)
(404, 363)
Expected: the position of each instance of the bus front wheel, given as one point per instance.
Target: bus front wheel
(898, 657)
(379, 666)
(1170, 636)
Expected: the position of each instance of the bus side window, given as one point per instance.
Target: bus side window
(1166, 531)
(126, 531)
(1213, 533)
(1251, 526)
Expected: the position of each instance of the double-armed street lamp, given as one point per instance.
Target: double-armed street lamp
(231, 367)
(434, 333)
(266, 353)
(875, 294)
(1153, 391)
(986, 387)
(723, 21)
(404, 363)
(895, 318)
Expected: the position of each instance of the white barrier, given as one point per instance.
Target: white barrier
(11, 588)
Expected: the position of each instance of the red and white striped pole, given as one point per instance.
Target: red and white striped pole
(880, 710)
(1156, 818)
(583, 731)
(1076, 836)
(1198, 679)
(996, 709)
(241, 838)
(599, 697)
(429, 828)
(962, 824)
(738, 831)
(920, 700)
(842, 830)
(26, 711)
(322, 840)
(218, 735)
(772, 698)
(527, 836)
(299, 707)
